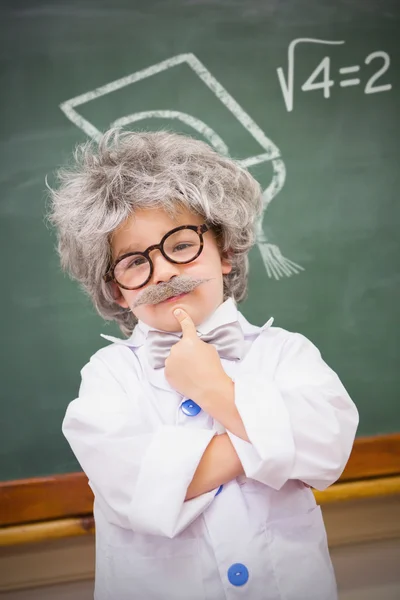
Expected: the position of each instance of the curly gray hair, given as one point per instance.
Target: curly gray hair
(132, 170)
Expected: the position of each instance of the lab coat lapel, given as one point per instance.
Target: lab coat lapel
(135, 344)
(251, 361)
(155, 376)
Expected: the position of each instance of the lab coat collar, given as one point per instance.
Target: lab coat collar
(227, 312)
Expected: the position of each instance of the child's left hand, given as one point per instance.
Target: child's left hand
(193, 367)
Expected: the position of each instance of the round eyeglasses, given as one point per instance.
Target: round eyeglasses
(181, 245)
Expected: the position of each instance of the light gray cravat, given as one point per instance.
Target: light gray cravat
(228, 340)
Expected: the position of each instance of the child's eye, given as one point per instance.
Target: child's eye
(182, 247)
(136, 261)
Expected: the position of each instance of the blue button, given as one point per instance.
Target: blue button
(219, 490)
(190, 408)
(238, 574)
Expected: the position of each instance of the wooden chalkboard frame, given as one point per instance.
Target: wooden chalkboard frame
(35, 500)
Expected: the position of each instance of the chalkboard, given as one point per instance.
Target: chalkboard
(305, 93)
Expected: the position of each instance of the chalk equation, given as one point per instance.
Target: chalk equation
(321, 77)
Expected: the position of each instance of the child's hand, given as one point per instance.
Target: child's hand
(193, 367)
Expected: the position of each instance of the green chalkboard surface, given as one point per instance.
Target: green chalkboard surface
(305, 93)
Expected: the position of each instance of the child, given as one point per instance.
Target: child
(200, 433)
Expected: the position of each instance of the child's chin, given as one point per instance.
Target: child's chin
(166, 319)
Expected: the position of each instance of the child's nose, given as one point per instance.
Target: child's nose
(163, 269)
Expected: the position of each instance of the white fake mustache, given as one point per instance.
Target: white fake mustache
(181, 284)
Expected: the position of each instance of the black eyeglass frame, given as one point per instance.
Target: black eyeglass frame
(199, 229)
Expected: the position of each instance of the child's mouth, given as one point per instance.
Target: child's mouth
(174, 298)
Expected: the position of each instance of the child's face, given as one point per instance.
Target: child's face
(147, 227)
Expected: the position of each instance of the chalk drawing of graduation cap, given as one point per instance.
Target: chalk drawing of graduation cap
(276, 265)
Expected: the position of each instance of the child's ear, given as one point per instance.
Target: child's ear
(226, 262)
(117, 295)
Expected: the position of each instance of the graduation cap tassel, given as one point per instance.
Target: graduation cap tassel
(276, 265)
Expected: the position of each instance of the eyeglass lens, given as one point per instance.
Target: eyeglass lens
(181, 247)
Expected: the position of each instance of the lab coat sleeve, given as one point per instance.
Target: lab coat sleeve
(301, 424)
(139, 474)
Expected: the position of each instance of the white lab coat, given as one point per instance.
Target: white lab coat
(140, 451)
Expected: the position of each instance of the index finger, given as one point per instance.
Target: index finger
(186, 323)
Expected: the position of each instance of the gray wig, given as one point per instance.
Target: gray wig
(132, 170)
